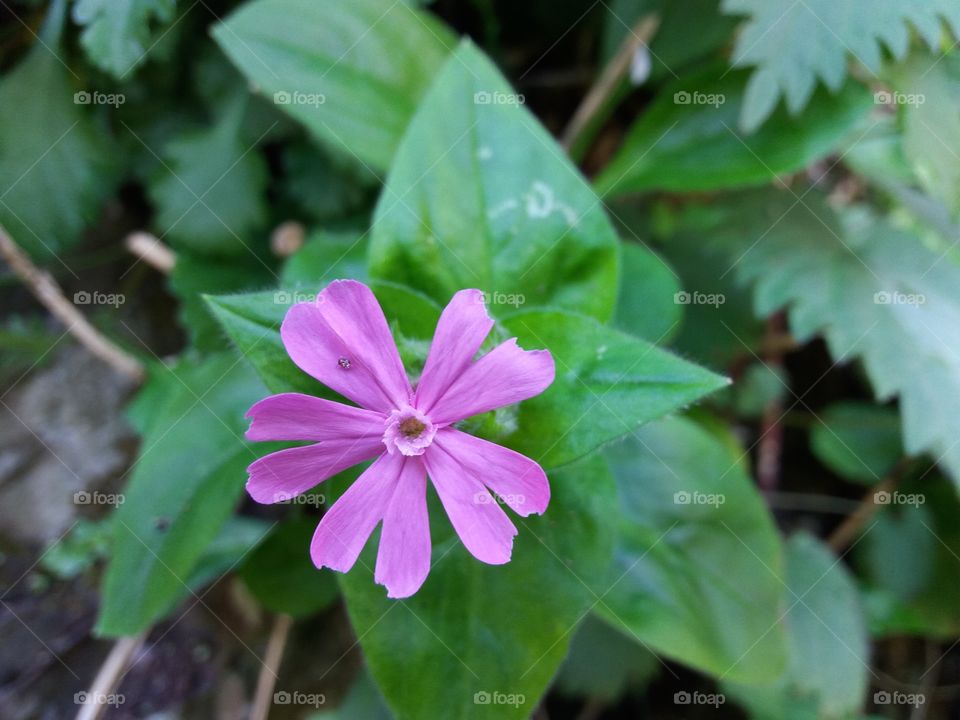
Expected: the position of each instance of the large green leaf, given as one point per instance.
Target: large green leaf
(826, 676)
(795, 43)
(480, 196)
(480, 641)
(56, 164)
(607, 384)
(351, 72)
(697, 548)
(857, 441)
(875, 292)
(210, 190)
(184, 486)
(118, 34)
(688, 138)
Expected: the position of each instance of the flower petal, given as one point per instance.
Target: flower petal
(294, 416)
(343, 341)
(403, 559)
(516, 479)
(344, 529)
(287, 473)
(505, 375)
(481, 523)
(463, 326)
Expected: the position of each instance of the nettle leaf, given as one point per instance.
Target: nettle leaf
(57, 165)
(118, 34)
(481, 196)
(352, 73)
(483, 629)
(607, 384)
(826, 675)
(928, 97)
(696, 547)
(858, 441)
(875, 292)
(793, 44)
(210, 191)
(688, 139)
(184, 486)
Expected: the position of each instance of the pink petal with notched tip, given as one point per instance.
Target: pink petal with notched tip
(294, 416)
(287, 473)
(343, 341)
(345, 528)
(505, 375)
(463, 326)
(519, 481)
(481, 523)
(403, 559)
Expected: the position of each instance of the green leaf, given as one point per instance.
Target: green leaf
(362, 702)
(826, 677)
(647, 304)
(688, 138)
(281, 576)
(928, 97)
(326, 256)
(252, 321)
(210, 190)
(793, 44)
(696, 548)
(184, 486)
(857, 441)
(352, 73)
(57, 165)
(604, 662)
(489, 629)
(118, 34)
(607, 384)
(875, 292)
(480, 196)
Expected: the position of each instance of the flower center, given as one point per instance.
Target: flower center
(409, 431)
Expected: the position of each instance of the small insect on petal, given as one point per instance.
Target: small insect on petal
(344, 363)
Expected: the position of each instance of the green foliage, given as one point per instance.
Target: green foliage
(647, 305)
(480, 196)
(858, 441)
(352, 73)
(183, 488)
(696, 545)
(119, 34)
(793, 44)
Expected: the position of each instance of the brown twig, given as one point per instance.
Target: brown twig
(48, 292)
(152, 251)
(105, 683)
(606, 84)
(263, 698)
(849, 528)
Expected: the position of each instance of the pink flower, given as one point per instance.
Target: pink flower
(343, 341)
